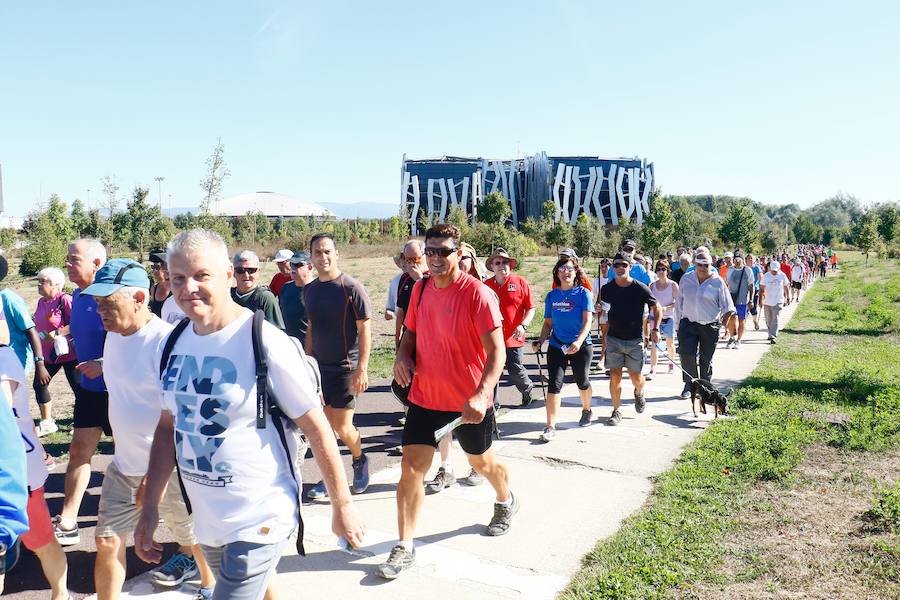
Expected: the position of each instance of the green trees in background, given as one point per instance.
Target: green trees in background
(659, 226)
(49, 231)
(866, 235)
(740, 228)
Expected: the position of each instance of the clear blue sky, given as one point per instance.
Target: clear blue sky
(779, 101)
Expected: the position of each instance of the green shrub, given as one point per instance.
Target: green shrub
(886, 510)
(43, 251)
(875, 426)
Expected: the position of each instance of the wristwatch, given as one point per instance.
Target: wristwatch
(38, 359)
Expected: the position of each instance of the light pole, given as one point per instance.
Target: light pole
(159, 181)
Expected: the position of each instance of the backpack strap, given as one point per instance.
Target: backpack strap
(266, 403)
(163, 363)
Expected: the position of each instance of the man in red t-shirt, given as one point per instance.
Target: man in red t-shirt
(453, 324)
(517, 310)
(284, 271)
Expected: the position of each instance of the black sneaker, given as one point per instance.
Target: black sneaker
(440, 481)
(503, 515)
(65, 537)
(585, 418)
(640, 403)
(399, 560)
(772, 341)
(527, 399)
(614, 419)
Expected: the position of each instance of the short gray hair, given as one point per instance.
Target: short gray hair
(196, 241)
(685, 257)
(130, 291)
(245, 255)
(52, 274)
(418, 244)
(93, 249)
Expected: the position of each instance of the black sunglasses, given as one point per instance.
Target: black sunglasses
(442, 252)
(247, 270)
(620, 265)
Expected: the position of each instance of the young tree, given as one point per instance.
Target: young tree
(805, 231)
(867, 234)
(888, 222)
(110, 203)
(659, 226)
(142, 220)
(740, 227)
(80, 220)
(495, 209)
(559, 234)
(587, 236)
(216, 172)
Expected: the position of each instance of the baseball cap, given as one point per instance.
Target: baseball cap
(629, 243)
(115, 275)
(300, 258)
(158, 257)
(774, 265)
(701, 258)
(738, 254)
(283, 255)
(729, 254)
(568, 253)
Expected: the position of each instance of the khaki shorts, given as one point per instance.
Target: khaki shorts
(118, 514)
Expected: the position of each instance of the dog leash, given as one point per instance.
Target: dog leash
(666, 354)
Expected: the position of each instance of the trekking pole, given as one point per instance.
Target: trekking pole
(538, 354)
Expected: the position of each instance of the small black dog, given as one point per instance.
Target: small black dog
(708, 395)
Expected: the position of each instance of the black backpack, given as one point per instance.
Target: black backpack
(265, 403)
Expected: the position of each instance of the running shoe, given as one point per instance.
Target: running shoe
(317, 492)
(585, 418)
(527, 399)
(548, 434)
(756, 324)
(649, 376)
(640, 403)
(360, 474)
(614, 419)
(473, 478)
(399, 560)
(503, 514)
(176, 570)
(686, 391)
(204, 594)
(729, 344)
(443, 479)
(737, 344)
(46, 427)
(65, 537)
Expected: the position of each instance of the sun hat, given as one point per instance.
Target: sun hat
(500, 253)
(702, 258)
(283, 255)
(116, 274)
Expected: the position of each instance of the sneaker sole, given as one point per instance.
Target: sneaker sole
(64, 541)
(171, 584)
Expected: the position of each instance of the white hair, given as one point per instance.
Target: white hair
(131, 290)
(685, 257)
(52, 274)
(93, 249)
(245, 255)
(195, 242)
(419, 244)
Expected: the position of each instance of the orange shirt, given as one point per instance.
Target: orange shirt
(450, 358)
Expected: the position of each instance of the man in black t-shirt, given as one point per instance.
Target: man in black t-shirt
(339, 337)
(622, 345)
(293, 311)
(416, 268)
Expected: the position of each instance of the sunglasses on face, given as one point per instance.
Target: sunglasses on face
(156, 267)
(620, 265)
(246, 270)
(296, 267)
(501, 263)
(661, 270)
(566, 268)
(442, 252)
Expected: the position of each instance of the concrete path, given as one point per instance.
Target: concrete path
(573, 492)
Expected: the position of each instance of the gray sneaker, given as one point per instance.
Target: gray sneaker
(177, 569)
(614, 419)
(440, 481)
(640, 403)
(473, 478)
(585, 418)
(317, 492)
(503, 515)
(399, 560)
(548, 434)
(686, 391)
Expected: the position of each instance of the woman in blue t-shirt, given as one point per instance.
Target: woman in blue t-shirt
(568, 310)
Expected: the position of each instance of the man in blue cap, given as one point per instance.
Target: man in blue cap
(293, 310)
(130, 367)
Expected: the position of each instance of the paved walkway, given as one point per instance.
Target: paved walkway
(573, 492)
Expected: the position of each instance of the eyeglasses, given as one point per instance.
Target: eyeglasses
(566, 268)
(295, 266)
(246, 270)
(442, 252)
(156, 266)
(662, 270)
(620, 265)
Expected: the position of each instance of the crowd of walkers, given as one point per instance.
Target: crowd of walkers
(214, 385)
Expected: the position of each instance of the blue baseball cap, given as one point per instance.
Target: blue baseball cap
(116, 274)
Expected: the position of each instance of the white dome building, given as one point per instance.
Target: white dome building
(271, 204)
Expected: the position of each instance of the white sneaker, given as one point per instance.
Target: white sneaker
(46, 427)
(728, 344)
(737, 344)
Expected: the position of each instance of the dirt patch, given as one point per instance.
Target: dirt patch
(808, 538)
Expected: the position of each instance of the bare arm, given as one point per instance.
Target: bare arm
(404, 365)
(344, 521)
(307, 341)
(40, 369)
(542, 337)
(492, 341)
(586, 319)
(359, 380)
(398, 326)
(162, 461)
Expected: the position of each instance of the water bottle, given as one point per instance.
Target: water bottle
(61, 345)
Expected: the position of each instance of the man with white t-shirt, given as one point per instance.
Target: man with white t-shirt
(775, 293)
(134, 334)
(797, 277)
(236, 472)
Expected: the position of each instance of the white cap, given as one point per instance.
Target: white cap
(283, 255)
(774, 265)
(729, 255)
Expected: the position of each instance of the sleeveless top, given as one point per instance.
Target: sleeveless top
(664, 297)
(156, 305)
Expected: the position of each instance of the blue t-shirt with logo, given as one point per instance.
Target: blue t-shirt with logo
(18, 317)
(89, 335)
(566, 308)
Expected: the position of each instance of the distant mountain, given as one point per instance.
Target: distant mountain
(361, 210)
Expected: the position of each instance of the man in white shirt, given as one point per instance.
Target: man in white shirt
(235, 470)
(797, 277)
(774, 291)
(134, 334)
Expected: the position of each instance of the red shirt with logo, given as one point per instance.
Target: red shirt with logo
(450, 358)
(515, 301)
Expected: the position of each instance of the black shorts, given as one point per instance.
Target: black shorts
(91, 410)
(796, 285)
(336, 388)
(557, 361)
(421, 423)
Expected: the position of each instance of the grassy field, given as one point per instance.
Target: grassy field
(796, 496)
